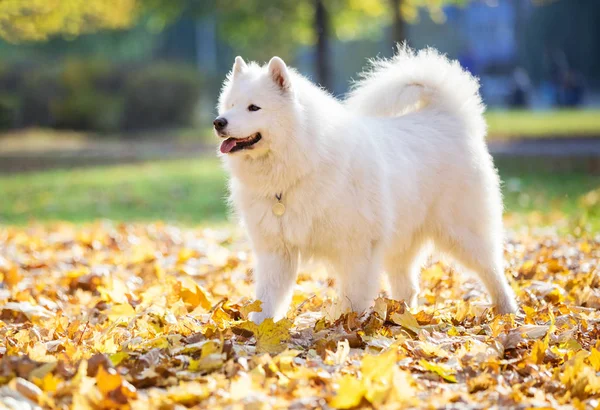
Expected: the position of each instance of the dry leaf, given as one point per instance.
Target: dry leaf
(271, 337)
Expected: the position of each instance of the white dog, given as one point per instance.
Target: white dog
(362, 184)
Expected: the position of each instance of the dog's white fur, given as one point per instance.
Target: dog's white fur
(366, 182)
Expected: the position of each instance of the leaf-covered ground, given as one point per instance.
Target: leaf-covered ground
(154, 316)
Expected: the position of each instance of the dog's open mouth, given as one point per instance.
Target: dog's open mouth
(237, 144)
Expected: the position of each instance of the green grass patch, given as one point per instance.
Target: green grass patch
(556, 123)
(570, 201)
(187, 191)
(194, 191)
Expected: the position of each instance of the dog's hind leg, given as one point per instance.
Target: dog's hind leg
(275, 277)
(482, 254)
(358, 278)
(468, 227)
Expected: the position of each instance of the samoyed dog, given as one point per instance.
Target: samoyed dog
(364, 184)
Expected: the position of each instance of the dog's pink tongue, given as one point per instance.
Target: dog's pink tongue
(227, 145)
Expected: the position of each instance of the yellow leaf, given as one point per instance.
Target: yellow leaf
(445, 372)
(107, 380)
(255, 306)
(463, 311)
(220, 317)
(555, 296)
(579, 379)
(190, 393)
(453, 331)
(377, 372)
(285, 362)
(378, 366)
(211, 357)
(403, 390)
(595, 359)
(538, 351)
(49, 383)
(406, 320)
(349, 393)
(321, 324)
(186, 254)
(211, 347)
(432, 350)
(585, 247)
(107, 346)
(527, 269)
(39, 353)
(270, 336)
(193, 294)
(207, 364)
(161, 342)
(119, 312)
(12, 277)
(554, 266)
(529, 314)
(571, 345)
(116, 291)
(118, 357)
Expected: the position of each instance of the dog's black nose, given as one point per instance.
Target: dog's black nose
(220, 123)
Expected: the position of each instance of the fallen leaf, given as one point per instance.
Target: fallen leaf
(441, 370)
(107, 380)
(406, 320)
(349, 393)
(271, 337)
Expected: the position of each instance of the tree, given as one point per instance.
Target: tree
(352, 19)
(398, 34)
(255, 27)
(36, 20)
(321, 22)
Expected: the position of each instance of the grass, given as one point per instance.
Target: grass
(193, 192)
(556, 123)
(188, 191)
(569, 201)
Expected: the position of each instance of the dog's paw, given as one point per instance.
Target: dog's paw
(257, 317)
(509, 305)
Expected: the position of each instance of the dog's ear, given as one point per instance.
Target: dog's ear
(238, 66)
(279, 72)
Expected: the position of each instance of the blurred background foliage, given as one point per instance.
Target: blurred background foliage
(36, 20)
(97, 95)
(89, 65)
(96, 82)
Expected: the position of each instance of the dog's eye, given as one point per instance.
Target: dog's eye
(253, 107)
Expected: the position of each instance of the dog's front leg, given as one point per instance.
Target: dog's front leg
(275, 277)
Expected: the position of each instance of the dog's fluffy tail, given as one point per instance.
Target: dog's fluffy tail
(417, 80)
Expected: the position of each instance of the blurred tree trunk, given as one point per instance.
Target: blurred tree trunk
(322, 30)
(398, 23)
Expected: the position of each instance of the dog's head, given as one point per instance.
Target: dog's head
(256, 108)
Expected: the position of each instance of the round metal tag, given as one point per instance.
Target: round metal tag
(278, 209)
